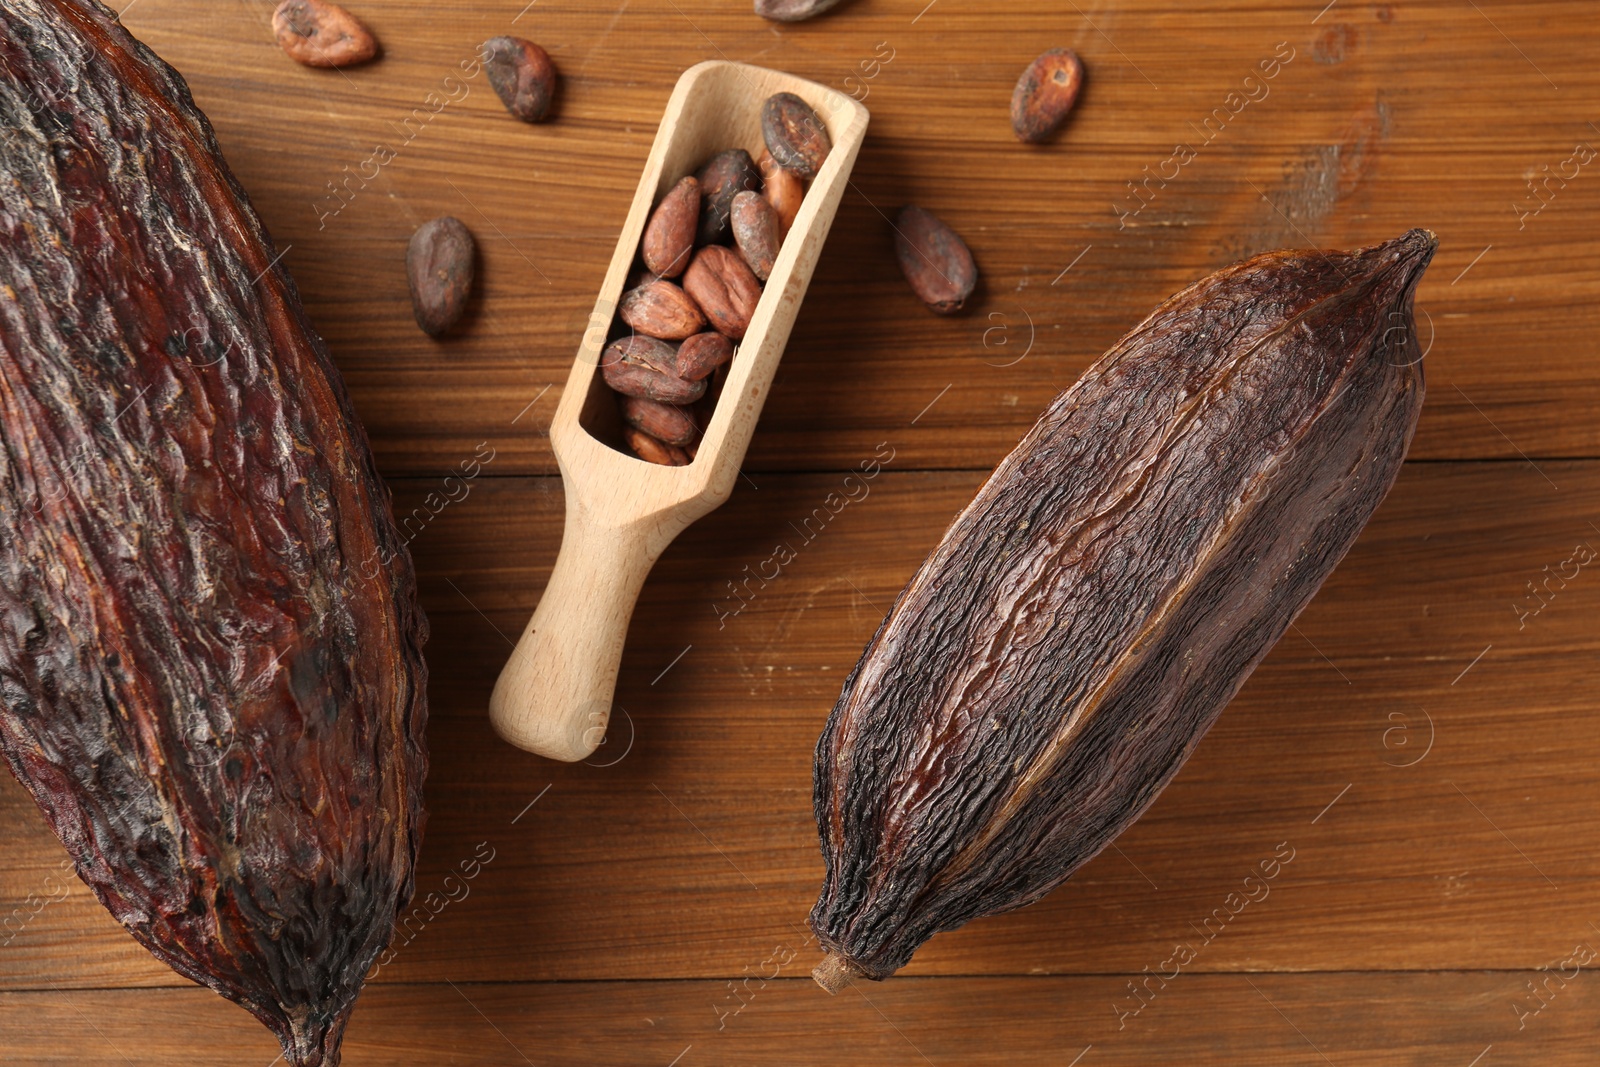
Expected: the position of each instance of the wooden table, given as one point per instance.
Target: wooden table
(1424, 742)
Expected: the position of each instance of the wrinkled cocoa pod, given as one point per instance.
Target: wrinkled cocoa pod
(669, 235)
(643, 366)
(319, 34)
(660, 309)
(728, 174)
(794, 10)
(1084, 620)
(522, 76)
(211, 673)
(440, 265)
(701, 354)
(756, 233)
(651, 450)
(667, 423)
(934, 259)
(1045, 94)
(724, 287)
(783, 189)
(795, 135)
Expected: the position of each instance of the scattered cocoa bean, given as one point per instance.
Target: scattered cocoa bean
(440, 265)
(795, 134)
(756, 231)
(727, 174)
(319, 34)
(784, 190)
(651, 450)
(521, 75)
(1045, 93)
(934, 259)
(724, 287)
(701, 354)
(660, 309)
(667, 423)
(793, 10)
(669, 235)
(642, 366)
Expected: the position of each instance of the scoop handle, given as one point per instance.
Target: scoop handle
(554, 694)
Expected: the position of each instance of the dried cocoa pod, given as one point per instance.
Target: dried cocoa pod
(756, 233)
(440, 266)
(1083, 621)
(643, 366)
(701, 354)
(651, 450)
(319, 34)
(795, 134)
(522, 76)
(727, 174)
(723, 286)
(211, 673)
(934, 259)
(658, 308)
(784, 190)
(667, 423)
(1045, 94)
(794, 10)
(669, 235)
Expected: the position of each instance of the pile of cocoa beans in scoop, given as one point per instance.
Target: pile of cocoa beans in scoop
(707, 250)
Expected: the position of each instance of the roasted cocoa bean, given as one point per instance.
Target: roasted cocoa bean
(440, 265)
(701, 354)
(783, 189)
(660, 309)
(522, 76)
(667, 423)
(643, 366)
(794, 10)
(723, 286)
(728, 174)
(669, 235)
(319, 34)
(795, 135)
(1085, 619)
(934, 259)
(756, 232)
(1045, 94)
(651, 450)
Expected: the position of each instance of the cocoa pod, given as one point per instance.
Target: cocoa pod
(1084, 620)
(651, 450)
(756, 234)
(727, 174)
(440, 265)
(1045, 94)
(660, 309)
(522, 76)
(667, 423)
(319, 34)
(723, 286)
(783, 189)
(669, 235)
(210, 642)
(643, 366)
(934, 259)
(701, 354)
(795, 134)
(794, 10)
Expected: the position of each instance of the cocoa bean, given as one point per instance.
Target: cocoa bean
(668, 423)
(783, 189)
(669, 235)
(795, 134)
(651, 450)
(522, 76)
(643, 366)
(1045, 93)
(440, 265)
(794, 10)
(727, 174)
(701, 354)
(934, 259)
(724, 287)
(660, 309)
(319, 34)
(756, 229)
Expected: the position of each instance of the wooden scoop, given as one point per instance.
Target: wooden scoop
(554, 694)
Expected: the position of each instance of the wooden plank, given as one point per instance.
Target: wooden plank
(1269, 1020)
(695, 851)
(1387, 117)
